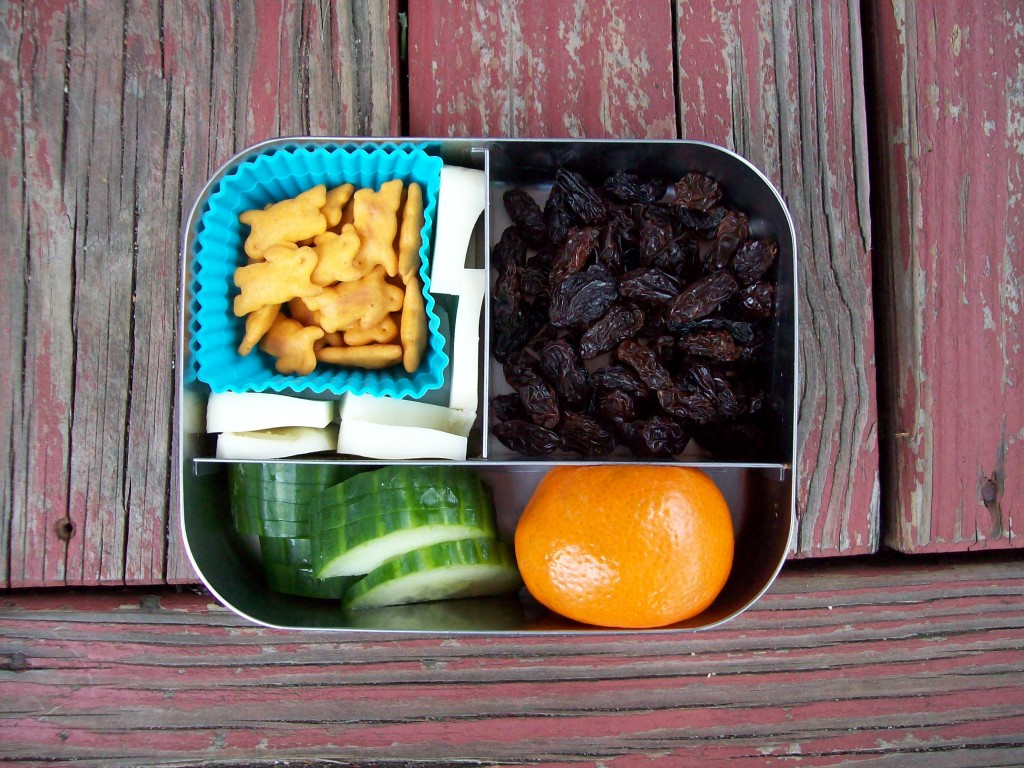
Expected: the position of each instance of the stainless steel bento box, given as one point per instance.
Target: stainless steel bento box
(761, 495)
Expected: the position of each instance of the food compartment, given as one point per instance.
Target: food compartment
(232, 566)
(281, 174)
(596, 316)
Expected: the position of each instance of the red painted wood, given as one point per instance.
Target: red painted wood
(950, 132)
(115, 115)
(781, 84)
(518, 68)
(827, 669)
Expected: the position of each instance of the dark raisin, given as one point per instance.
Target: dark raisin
(714, 344)
(704, 223)
(582, 298)
(696, 191)
(619, 323)
(702, 297)
(681, 259)
(620, 378)
(533, 286)
(753, 259)
(656, 437)
(756, 301)
(743, 333)
(562, 366)
(558, 219)
(649, 285)
(574, 253)
(631, 188)
(687, 405)
(645, 362)
(732, 231)
(511, 248)
(616, 405)
(655, 237)
(526, 214)
(507, 407)
(539, 398)
(581, 198)
(526, 438)
(585, 435)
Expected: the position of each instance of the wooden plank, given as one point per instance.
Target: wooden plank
(118, 112)
(519, 68)
(950, 132)
(13, 267)
(827, 669)
(781, 84)
(39, 371)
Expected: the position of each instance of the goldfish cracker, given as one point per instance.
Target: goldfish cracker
(283, 275)
(289, 220)
(385, 332)
(366, 301)
(337, 198)
(257, 323)
(291, 343)
(375, 216)
(414, 326)
(410, 236)
(335, 254)
(371, 356)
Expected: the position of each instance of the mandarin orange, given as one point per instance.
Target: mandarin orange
(625, 546)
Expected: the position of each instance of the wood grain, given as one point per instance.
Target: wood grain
(781, 83)
(521, 68)
(116, 113)
(841, 664)
(950, 132)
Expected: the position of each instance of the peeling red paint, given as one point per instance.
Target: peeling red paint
(592, 69)
(954, 229)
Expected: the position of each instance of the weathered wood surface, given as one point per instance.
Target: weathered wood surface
(949, 123)
(114, 115)
(522, 68)
(840, 664)
(778, 82)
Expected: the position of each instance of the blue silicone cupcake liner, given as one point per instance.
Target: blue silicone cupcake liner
(280, 173)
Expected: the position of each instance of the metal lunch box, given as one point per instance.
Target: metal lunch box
(761, 495)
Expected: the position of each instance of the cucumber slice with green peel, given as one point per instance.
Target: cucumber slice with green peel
(296, 580)
(286, 551)
(370, 506)
(381, 514)
(451, 569)
(368, 493)
(281, 529)
(273, 499)
(360, 546)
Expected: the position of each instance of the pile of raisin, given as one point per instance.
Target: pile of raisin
(631, 313)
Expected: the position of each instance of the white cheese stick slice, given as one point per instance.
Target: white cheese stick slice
(460, 202)
(393, 412)
(385, 441)
(254, 411)
(276, 443)
(465, 375)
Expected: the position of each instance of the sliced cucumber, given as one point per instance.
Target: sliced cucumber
(451, 569)
(296, 580)
(362, 545)
(407, 487)
(374, 516)
(286, 551)
(273, 499)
